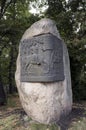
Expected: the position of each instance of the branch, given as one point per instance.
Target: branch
(4, 8)
(3, 3)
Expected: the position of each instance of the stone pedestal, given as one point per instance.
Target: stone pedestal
(45, 102)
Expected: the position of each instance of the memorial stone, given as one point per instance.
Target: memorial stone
(43, 73)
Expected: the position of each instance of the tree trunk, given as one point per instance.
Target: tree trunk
(2, 94)
(11, 70)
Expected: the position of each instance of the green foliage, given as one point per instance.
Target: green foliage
(77, 50)
(70, 18)
(58, 11)
(15, 18)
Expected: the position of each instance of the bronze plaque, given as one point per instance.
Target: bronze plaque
(41, 59)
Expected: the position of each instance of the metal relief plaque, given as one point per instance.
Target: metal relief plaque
(41, 59)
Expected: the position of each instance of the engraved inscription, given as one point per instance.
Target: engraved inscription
(41, 59)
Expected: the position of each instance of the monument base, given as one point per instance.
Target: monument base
(45, 102)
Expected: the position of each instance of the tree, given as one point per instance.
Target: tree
(2, 92)
(14, 19)
(70, 19)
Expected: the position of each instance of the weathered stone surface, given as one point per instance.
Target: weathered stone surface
(41, 59)
(45, 102)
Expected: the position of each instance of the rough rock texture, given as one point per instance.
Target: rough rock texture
(45, 102)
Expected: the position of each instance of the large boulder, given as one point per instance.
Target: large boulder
(42, 101)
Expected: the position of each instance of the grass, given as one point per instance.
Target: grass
(79, 125)
(76, 121)
(13, 123)
(9, 123)
(13, 102)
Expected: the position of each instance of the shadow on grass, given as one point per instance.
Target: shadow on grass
(76, 114)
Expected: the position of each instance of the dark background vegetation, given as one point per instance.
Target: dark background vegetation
(15, 18)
